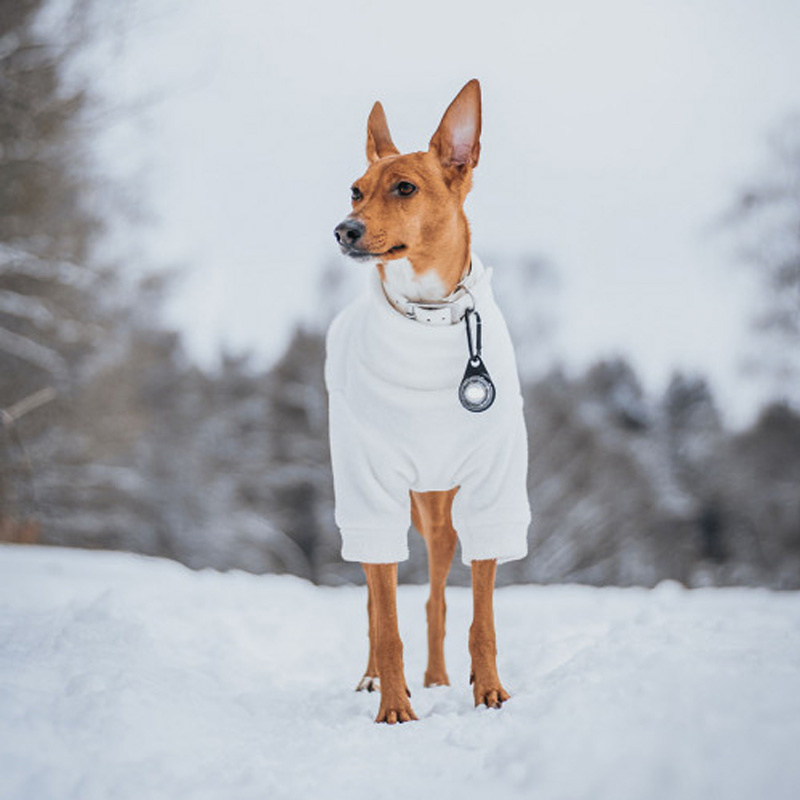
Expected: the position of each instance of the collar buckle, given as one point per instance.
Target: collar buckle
(433, 313)
(447, 312)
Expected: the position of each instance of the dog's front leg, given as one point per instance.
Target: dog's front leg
(370, 682)
(382, 581)
(485, 681)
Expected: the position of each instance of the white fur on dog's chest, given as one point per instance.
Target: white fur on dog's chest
(402, 280)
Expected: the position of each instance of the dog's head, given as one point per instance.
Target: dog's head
(411, 206)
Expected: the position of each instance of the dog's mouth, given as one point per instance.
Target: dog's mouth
(365, 255)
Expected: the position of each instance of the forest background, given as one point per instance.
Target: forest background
(120, 431)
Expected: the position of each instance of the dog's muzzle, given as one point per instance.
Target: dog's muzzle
(348, 233)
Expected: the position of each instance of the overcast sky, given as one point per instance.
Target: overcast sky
(615, 135)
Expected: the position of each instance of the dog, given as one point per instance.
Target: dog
(425, 406)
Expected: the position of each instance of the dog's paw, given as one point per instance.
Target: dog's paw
(369, 683)
(493, 698)
(394, 710)
(488, 693)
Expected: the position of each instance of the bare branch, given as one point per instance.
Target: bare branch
(33, 353)
(27, 404)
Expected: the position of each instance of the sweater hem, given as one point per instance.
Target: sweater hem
(375, 545)
(503, 541)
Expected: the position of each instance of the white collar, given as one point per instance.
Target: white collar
(449, 311)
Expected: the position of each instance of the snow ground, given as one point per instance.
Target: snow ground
(127, 677)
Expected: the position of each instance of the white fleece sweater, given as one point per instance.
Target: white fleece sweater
(396, 424)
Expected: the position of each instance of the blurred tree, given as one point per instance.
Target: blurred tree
(56, 298)
(762, 495)
(767, 216)
(697, 455)
(606, 506)
(50, 319)
(298, 478)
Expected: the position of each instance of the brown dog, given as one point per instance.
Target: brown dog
(394, 390)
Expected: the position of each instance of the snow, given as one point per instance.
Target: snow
(128, 677)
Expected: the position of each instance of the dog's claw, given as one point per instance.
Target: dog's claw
(493, 698)
(393, 716)
(370, 683)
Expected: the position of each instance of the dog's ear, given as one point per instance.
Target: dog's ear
(457, 139)
(379, 140)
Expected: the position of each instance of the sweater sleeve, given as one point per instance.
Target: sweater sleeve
(372, 501)
(491, 511)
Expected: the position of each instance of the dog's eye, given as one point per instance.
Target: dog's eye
(355, 193)
(404, 188)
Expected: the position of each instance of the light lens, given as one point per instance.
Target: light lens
(475, 393)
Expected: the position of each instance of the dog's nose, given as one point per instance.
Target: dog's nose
(347, 233)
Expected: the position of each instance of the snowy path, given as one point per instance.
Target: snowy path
(124, 677)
